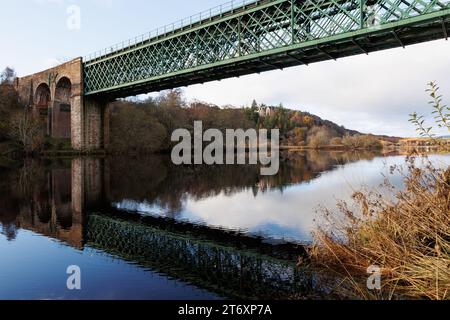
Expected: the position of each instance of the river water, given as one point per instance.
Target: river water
(142, 228)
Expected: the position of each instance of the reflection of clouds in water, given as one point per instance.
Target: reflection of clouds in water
(289, 214)
(292, 213)
(294, 209)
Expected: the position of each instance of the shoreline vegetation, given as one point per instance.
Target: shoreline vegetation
(407, 238)
(403, 233)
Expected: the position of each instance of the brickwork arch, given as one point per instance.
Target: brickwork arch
(42, 100)
(62, 107)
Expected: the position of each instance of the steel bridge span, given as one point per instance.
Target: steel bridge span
(261, 36)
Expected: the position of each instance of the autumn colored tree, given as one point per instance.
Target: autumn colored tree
(296, 119)
(298, 136)
(308, 121)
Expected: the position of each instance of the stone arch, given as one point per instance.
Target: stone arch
(61, 124)
(42, 98)
(42, 95)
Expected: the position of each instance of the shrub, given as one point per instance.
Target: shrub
(371, 142)
(336, 141)
(357, 142)
(318, 137)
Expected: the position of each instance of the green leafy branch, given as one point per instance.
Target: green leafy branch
(441, 114)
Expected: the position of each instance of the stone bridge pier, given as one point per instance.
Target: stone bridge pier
(56, 96)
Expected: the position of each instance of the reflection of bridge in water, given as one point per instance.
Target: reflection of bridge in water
(71, 202)
(229, 264)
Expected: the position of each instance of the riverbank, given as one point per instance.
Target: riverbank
(326, 148)
(9, 152)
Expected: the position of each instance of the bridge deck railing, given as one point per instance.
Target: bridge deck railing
(206, 15)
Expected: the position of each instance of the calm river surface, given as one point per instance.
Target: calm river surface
(140, 228)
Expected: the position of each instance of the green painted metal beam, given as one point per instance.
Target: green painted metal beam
(262, 36)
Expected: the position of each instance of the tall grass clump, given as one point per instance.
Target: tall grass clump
(405, 232)
(361, 142)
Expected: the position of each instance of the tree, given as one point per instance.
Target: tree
(298, 136)
(308, 121)
(172, 99)
(296, 119)
(135, 130)
(282, 119)
(26, 129)
(269, 122)
(318, 137)
(252, 113)
(9, 103)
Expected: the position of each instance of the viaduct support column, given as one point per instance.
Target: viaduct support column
(77, 105)
(92, 123)
(77, 123)
(96, 123)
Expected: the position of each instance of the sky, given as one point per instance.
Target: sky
(372, 94)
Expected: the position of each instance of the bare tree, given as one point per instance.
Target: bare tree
(27, 130)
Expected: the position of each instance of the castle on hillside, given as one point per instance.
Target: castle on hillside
(265, 111)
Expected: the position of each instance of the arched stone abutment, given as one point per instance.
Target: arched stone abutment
(57, 97)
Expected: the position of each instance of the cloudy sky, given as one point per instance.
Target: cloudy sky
(372, 93)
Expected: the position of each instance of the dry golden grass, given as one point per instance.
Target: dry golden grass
(407, 236)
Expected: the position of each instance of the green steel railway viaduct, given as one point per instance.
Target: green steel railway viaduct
(232, 40)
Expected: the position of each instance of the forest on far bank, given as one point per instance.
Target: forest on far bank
(147, 125)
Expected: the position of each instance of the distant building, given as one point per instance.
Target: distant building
(265, 111)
